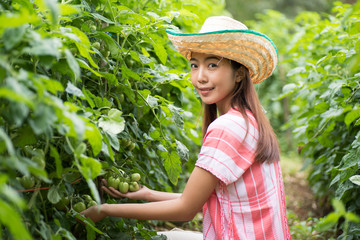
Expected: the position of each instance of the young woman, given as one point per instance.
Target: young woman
(237, 171)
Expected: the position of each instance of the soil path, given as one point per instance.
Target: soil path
(300, 200)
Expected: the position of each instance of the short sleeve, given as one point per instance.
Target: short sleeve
(224, 153)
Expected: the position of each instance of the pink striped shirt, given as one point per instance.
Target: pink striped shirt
(249, 201)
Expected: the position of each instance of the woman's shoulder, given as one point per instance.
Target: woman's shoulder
(233, 115)
(232, 120)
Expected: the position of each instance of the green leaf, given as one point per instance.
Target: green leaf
(182, 150)
(106, 149)
(176, 116)
(44, 47)
(90, 233)
(54, 10)
(53, 194)
(94, 190)
(43, 118)
(90, 168)
(8, 143)
(11, 218)
(351, 159)
(113, 123)
(89, 97)
(338, 206)
(287, 90)
(11, 95)
(113, 140)
(152, 101)
(328, 222)
(321, 107)
(129, 73)
(172, 166)
(355, 179)
(295, 71)
(68, 9)
(25, 136)
(98, 16)
(352, 217)
(73, 64)
(52, 86)
(18, 19)
(332, 113)
(351, 117)
(158, 45)
(83, 64)
(59, 168)
(12, 36)
(74, 124)
(71, 89)
(93, 135)
(84, 45)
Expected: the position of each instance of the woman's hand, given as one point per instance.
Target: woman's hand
(141, 194)
(95, 213)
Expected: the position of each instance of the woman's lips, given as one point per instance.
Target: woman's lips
(205, 91)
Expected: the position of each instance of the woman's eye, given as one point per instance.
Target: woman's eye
(193, 65)
(213, 65)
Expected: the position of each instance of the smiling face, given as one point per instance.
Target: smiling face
(214, 79)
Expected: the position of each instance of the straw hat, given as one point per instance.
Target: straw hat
(228, 38)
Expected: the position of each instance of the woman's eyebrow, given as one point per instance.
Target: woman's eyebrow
(207, 58)
(212, 57)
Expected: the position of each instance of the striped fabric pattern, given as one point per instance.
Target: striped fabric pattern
(249, 201)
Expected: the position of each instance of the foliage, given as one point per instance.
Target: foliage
(323, 87)
(317, 83)
(244, 10)
(278, 111)
(88, 87)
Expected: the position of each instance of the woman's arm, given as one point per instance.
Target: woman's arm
(198, 189)
(143, 193)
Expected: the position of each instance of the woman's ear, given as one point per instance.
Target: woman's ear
(240, 74)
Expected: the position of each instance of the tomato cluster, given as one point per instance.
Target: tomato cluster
(124, 184)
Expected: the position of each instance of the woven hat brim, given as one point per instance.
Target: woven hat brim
(252, 49)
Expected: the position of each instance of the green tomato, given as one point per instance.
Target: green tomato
(135, 177)
(113, 182)
(126, 142)
(93, 27)
(65, 200)
(27, 181)
(39, 160)
(79, 207)
(105, 53)
(121, 97)
(62, 204)
(96, 45)
(134, 186)
(91, 203)
(132, 146)
(123, 187)
(87, 198)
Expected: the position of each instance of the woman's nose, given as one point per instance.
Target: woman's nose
(202, 75)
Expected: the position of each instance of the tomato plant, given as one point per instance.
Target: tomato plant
(320, 63)
(87, 87)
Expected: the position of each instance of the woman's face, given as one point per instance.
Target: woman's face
(214, 79)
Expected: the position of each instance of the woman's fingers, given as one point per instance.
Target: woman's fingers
(111, 191)
(104, 182)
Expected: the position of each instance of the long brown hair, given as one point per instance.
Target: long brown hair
(245, 98)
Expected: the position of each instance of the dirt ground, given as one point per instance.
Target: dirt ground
(299, 197)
